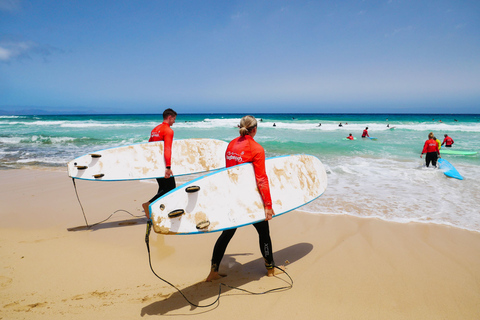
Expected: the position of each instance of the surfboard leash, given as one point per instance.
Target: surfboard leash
(147, 242)
(83, 211)
(78, 198)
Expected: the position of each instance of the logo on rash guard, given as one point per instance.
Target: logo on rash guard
(233, 156)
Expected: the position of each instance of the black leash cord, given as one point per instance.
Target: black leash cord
(147, 241)
(83, 211)
(76, 193)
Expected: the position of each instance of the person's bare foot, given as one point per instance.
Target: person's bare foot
(145, 208)
(214, 275)
(275, 271)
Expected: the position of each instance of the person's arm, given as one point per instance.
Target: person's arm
(424, 148)
(262, 183)
(167, 152)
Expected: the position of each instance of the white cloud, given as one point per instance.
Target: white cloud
(5, 54)
(12, 50)
(9, 5)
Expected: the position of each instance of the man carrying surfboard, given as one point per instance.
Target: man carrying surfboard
(240, 150)
(163, 132)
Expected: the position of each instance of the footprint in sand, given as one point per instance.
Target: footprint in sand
(5, 282)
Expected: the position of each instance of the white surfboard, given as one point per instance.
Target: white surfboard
(229, 198)
(146, 161)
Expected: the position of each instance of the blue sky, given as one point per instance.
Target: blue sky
(390, 56)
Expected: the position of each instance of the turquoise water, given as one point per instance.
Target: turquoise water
(382, 178)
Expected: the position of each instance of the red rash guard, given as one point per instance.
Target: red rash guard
(430, 146)
(245, 149)
(164, 133)
(448, 141)
(350, 137)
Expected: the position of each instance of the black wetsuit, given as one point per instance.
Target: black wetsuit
(264, 240)
(164, 185)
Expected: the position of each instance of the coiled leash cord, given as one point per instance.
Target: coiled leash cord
(85, 217)
(147, 241)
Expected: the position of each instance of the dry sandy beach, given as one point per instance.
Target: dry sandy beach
(342, 267)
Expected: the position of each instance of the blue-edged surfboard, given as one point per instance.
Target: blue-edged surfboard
(229, 198)
(146, 160)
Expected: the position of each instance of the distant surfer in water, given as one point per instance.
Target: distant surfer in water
(365, 133)
(431, 149)
(447, 141)
(350, 137)
(240, 150)
(163, 132)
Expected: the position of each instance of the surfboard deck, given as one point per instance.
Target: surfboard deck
(448, 169)
(146, 160)
(229, 198)
(458, 152)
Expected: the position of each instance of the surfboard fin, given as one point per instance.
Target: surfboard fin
(96, 176)
(203, 224)
(192, 189)
(176, 213)
(81, 167)
(95, 155)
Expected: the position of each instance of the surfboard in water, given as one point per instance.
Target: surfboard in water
(229, 198)
(146, 160)
(448, 169)
(458, 152)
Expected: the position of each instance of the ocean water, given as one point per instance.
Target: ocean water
(382, 178)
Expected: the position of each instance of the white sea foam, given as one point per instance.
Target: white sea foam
(399, 191)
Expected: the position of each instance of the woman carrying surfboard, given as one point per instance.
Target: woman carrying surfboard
(164, 133)
(240, 150)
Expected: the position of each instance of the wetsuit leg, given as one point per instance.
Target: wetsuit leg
(265, 243)
(428, 158)
(164, 186)
(434, 159)
(220, 247)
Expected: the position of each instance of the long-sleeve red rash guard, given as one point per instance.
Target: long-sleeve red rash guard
(448, 141)
(430, 146)
(164, 133)
(245, 149)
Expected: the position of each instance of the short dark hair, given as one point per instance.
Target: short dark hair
(169, 112)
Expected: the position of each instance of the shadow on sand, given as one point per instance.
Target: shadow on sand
(204, 293)
(107, 225)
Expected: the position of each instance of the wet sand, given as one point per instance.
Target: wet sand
(343, 267)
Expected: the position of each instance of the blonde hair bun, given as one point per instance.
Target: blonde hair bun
(247, 123)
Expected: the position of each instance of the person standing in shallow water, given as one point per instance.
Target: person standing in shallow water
(240, 150)
(431, 149)
(163, 132)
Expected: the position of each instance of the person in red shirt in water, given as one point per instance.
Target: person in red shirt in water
(164, 133)
(365, 133)
(350, 137)
(447, 141)
(431, 149)
(240, 150)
